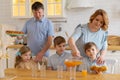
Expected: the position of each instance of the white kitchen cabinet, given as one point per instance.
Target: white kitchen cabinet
(77, 4)
(22, 8)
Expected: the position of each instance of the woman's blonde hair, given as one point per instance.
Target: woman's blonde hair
(22, 50)
(104, 15)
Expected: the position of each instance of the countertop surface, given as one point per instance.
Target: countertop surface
(67, 48)
(20, 74)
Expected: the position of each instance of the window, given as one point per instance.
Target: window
(19, 8)
(54, 7)
(22, 8)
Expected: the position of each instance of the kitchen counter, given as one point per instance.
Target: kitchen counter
(67, 48)
(116, 48)
(22, 74)
(14, 46)
(19, 46)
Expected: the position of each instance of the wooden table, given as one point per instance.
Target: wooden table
(20, 74)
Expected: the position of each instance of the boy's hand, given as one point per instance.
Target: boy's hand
(98, 72)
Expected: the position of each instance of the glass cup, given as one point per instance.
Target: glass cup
(71, 64)
(43, 70)
(34, 70)
(73, 73)
(60, 71)
(84, 73)
(84, 70)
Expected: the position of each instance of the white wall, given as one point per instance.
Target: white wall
(74, 17)
(112, 7)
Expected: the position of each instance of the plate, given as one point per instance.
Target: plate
(16, 34)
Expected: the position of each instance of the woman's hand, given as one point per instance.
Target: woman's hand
(100, 59)
(76, 53)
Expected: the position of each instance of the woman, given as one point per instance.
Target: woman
(94, 31)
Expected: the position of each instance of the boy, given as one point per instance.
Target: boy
(59, 57)
(91, 53)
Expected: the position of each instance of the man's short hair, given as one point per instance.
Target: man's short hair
(37, 5)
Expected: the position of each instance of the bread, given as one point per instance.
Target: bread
(98, 68)
(14, 32)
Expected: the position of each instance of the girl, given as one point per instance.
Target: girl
(24, 58)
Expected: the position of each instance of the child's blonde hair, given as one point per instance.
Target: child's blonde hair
(22, 50)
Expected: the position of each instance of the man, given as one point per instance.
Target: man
(39, 32)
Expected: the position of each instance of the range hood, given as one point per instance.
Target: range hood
(72, 4)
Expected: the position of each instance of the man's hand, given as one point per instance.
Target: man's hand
(39, 57)
(19, 37)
